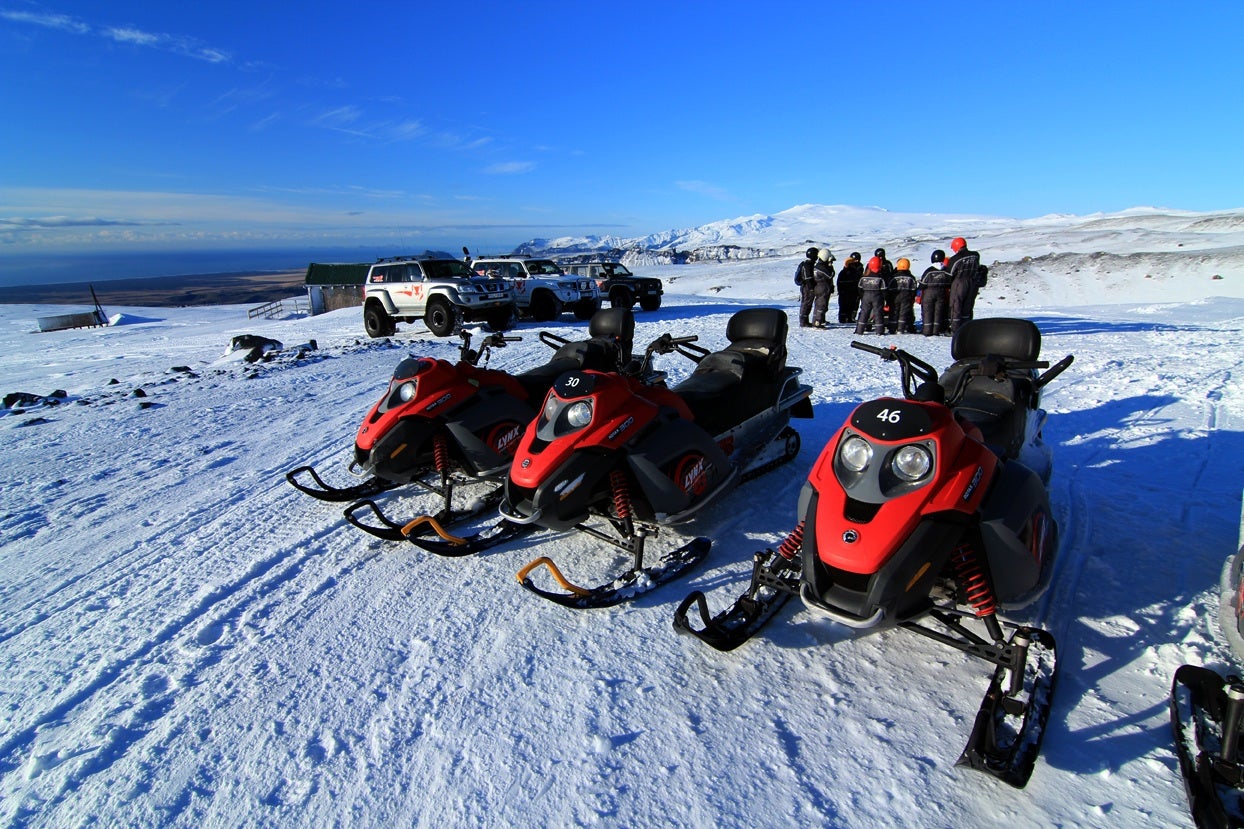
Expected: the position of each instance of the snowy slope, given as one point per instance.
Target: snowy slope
(187, 640)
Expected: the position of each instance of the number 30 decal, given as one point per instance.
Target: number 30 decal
(890, 415)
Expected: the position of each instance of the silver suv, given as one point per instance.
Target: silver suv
(441, 292)
(542, 290)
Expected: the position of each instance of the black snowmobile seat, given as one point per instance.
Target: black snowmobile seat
(611, 334)
(997, 404)
(741, 380)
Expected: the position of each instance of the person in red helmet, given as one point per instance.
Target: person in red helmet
(962, 268)
(872, 287)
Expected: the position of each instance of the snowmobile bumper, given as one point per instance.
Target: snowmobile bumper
(325, 491)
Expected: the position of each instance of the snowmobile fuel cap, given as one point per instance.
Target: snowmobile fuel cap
(890, 419)
(574, 384)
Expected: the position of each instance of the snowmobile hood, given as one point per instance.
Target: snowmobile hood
(586, 410)
(891, 464)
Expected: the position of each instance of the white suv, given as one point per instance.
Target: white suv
(542, 290)
(441, 292)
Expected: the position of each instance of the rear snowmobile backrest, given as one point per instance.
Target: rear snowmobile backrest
(612, 333)
(1012, 339)
(760, 332)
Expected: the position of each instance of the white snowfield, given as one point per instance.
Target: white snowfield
(186, 640)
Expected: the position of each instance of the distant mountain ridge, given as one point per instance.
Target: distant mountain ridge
(843, 228)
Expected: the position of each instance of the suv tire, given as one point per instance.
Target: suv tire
(650, 303)
(586, 310)
(377, 322)
(545, 307)
(501, 320)
(441, 318)
(621, 298)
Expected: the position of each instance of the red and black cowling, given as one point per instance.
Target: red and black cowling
(427, 396)
(885, 506)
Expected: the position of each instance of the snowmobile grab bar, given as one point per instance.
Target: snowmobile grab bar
(552, 340)
(814, 604)
(1058, 369)
(545, 561)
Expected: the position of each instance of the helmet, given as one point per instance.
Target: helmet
(812, 253)
(824, 255)
(879, 253)
(938, 256)
(874, 265)
(855, 256)
(957, 244)
(903, 264)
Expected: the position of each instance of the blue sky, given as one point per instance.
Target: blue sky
(141, 126)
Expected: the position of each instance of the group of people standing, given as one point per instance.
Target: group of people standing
(881, 297)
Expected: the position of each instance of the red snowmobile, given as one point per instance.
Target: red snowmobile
(441, 424)
(633, 456)
(1207, 716)
(919, 514)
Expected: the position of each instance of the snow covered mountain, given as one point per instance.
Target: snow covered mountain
(186, 640)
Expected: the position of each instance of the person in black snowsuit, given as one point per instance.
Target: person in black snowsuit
(848, 289)
(887, 271)
(935, 297)
(805, 278)
(872, 299)
(902, 298)
(823, 288)
(962, 267)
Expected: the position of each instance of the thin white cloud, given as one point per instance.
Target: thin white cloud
(51, 21)
(510, 168)
(705, 189)
(131, 35)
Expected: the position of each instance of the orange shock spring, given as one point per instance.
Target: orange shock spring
(621, 493)
(790, 546)
(972, 579)
(440, 453)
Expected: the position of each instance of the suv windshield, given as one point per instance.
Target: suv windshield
(617, 269)
(447, 269)
(543, 266)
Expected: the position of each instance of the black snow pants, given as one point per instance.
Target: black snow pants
(934, 309)
(872, 311)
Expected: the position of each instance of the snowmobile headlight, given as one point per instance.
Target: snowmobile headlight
(912, 462)
(550, 408)
(405, 392)
(579, 414)
(855, 453)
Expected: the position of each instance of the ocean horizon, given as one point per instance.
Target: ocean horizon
(51, 269)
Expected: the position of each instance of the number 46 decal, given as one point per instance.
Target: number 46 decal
(890, 415)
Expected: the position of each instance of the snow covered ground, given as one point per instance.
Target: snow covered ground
(187, 640)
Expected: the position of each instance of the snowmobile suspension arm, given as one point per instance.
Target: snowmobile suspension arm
(965, 640)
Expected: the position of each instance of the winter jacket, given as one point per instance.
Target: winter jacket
(823, 273)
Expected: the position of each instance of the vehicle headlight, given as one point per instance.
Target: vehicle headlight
(855, 453)
(405, 392)
(550, 408)
(912, 462)
(579, 414)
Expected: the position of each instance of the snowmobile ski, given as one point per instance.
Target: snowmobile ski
(445, 544)
(635, 582)
(325, 491)
(774, 580)
(1007, 734)
(1206, 710)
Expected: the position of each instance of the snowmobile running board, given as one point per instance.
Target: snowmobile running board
(1206, 710)
(772, 574)
(328, 492)
(624, 588)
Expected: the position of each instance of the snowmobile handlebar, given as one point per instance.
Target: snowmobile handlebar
(913, 368)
